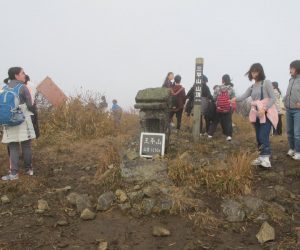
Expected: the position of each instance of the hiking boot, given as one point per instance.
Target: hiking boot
(10, 177)
(256, 162)
(296, 156)
(265, 162)
(291, 153)
(229, 138)
(29, 172)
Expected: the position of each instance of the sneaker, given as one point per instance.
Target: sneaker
(296, 156)
(291, 153)
(229, 138)
(29, 172)
(265, 162)
(256, 162)
(10, 177)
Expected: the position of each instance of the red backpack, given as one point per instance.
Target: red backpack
(223, 102)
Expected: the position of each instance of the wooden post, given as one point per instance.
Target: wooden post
(197, 98)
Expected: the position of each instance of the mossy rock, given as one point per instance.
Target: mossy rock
(153, 95)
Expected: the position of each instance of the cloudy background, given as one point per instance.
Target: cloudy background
(117, 47)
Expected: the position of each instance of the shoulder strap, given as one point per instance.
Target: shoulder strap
(5, 87)
(18, 88)
(262, 91)
(15, 89)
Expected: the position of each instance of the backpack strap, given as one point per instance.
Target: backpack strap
(262, 91)
(5, 87)
(17, 88)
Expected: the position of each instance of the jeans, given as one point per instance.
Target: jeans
(14, 153)
(293, 128)
(262, 131)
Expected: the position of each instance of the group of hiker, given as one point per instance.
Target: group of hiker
(215, 108)
(20, 124)
(19, 119)
(265, 113)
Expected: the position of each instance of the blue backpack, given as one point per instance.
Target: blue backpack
(10, 112)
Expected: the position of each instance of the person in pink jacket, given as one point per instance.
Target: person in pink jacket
(260, 90)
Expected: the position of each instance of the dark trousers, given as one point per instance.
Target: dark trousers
(208, 122)
(14, 154)
(178, 117)
(278, 130)
(226, 123)
(262, 131)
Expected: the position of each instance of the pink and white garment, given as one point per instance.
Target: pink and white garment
(271, 113)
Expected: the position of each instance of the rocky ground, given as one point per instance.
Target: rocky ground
(155, 204)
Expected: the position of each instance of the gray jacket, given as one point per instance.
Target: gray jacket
(255, 92)
(292, 96)
(24, 94)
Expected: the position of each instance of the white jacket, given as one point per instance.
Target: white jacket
(22, 132)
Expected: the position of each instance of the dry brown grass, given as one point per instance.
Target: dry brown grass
(74, 120)
(235, 179)
(79, 133)
(277, 214)
(110, 157)
(182, 202)
(25, 185)
(80, 119)
(180, 171)
(235, 176)
(245, 130)
(205, 219)
(231, 175)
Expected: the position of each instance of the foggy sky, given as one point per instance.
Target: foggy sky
(117, 47)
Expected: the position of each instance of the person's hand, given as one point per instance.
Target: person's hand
(261, 112)
(298, 105)
(233, 100)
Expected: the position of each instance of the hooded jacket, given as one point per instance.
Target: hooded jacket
(179, 91)
(292, 96)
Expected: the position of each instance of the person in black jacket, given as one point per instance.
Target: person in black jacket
(207, 104)
(34, 117)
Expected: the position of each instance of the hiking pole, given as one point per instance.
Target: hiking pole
(197, 99)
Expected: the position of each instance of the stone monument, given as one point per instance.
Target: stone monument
(154, 105)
